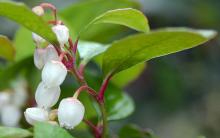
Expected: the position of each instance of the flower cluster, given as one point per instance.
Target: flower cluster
(11, 102)
(50, 60)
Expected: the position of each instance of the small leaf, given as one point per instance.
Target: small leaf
(132, 131)
(45, 130)
(9, 132)
(76, 20)
(7, 49)
(21, 14)
(118, 104)
(129, 17)
(135, 49)
(88, 50)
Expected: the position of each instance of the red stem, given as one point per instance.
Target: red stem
(95, 130)
(73, 46)
(89, 90)
(81, 69)
(103, 88)
(50, 6)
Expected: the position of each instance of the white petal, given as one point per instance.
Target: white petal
(54, 73)
(35, 114)
(62, 33)
(47, 97)
(70, 112)
(39, 57)
(38, 39)
(51, 54)
(38, 10)
(10, 115)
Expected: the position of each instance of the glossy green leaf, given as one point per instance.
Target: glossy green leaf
(127, 76)
(23, 49)
(135, 49)
(21, 14)
(88, 50)
(7, 50)
(118, 104)
(9, 132)
(132, 131)
(129, 17)
(46, 130)
(76, 20)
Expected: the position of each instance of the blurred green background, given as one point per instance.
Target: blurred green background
(176, 96)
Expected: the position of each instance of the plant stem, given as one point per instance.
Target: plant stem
(104, 119)
(103, 88)
(95, 130)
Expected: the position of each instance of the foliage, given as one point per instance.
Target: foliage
(123, 58)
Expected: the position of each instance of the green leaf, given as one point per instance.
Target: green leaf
(7, 50)
(78, 15)
(127, 76)
(129, 17)
(118, 104)
(132, 131)
(9, 132)
(23, 49)
(45, 130)
(21, 14)
(88, 50)
(135, 49)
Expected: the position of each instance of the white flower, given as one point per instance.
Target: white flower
(35, 114)
(5, 98)
(43, 55)
(47, 97)
(39, 57)
(38, 39)
(62, 33)
(19, 97)
(10, 115)
(51, 54)
(38, 10)
(20, 94)
(54, 73)
(70, 112)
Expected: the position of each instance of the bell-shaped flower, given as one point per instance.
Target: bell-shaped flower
(10, 115)
(37, 39)
(54, 73)
(62, 33)
(39, 57)
(47, 97)
(51, 54)
(38, 10)
(70, 112)
(34, 114)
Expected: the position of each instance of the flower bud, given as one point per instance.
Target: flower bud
(10, 115)
(54, 73)
(51, 54)
(70, 112)
(62, 33)
(37, 39)
(39, 57)
(47, 97)
(33, 115)
(38, 10)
